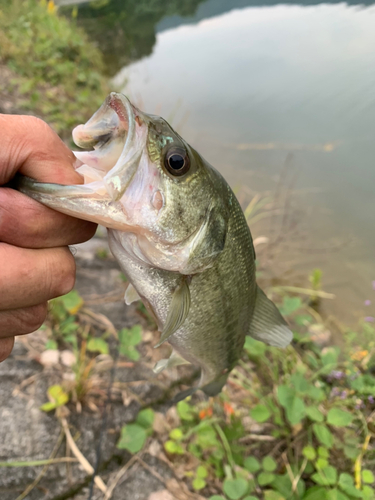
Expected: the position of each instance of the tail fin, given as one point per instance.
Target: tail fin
(267, 324)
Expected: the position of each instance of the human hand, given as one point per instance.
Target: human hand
(35, 262)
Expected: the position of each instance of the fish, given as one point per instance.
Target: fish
(178, 233)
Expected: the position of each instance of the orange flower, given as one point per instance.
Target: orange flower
(228, 409)
(205, 413)
(359, 355)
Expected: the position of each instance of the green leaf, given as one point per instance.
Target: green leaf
(251, 464)
(351, 452)
(296, 411)
(97, 344)
(145, 418)
(235, 488)
(339, 418)
(345, 480)
(368, 476)
(202, 472)
(130, 337)
(335, 494)
(323, 435)
(272, 495)
(253, 347)
(330, 356)
(316, 393)
(250, 497)
(294, 406)
(299, 383)
(265, 478)
(72, 302)
(285, 395)
(130, 352)
(176, 434)
(48, 406)
(173, 447)
(269, 464)
(309, 452)
(185, 411)
(368, 493)
(260, 413)
(290, 305)
(315, 493)
(51, 344)
(133, 437)
(283, 484)
(351, 491)
(323, 452)
(321, 463)
(330, 474)
(303, 319)
(199, 483)
(59, 398)
(314, 414)
(216, 497)
(346, 483)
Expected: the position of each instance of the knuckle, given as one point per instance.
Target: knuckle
(87, 231)
(34, 317)
(6, 346)
(35, 123)
(64, 273)
(24, 320)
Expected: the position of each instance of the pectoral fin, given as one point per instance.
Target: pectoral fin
(267, 324)
(178, 310)
(131, 295)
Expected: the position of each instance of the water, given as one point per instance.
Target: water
(261, 91)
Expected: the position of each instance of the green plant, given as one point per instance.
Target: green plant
(58, 397)
(133, 436)
(317, 408)
(57, 71)
(129, 339)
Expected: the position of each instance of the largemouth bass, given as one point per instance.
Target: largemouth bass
(178, 233)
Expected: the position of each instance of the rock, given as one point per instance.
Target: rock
(49, 357)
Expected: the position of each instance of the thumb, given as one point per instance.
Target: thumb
(30, 146)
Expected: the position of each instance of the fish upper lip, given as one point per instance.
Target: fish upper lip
(117, 179)
(104, 127)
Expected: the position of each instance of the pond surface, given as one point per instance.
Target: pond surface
(267, 92)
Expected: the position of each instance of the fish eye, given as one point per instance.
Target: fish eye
(177, 161)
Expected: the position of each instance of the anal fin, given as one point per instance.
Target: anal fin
(173, 360)
(267, 324)
(178, 311)
(131, 295)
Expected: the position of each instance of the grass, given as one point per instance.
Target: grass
(57, 72)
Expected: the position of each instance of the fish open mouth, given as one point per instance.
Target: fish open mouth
(111, 132)
(117, 134)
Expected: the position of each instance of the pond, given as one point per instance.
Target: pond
(277, 97)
